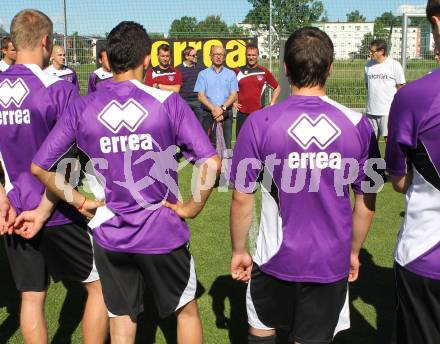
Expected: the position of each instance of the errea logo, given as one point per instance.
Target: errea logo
(13, 93)
(129, 115)
(322, 132)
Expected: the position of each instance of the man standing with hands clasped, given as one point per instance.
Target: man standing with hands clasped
(217, 89)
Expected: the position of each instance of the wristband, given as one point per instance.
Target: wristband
(82, 204)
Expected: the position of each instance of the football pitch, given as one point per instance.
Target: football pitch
(222, 300)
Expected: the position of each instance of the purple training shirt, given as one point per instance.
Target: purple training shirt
(414, 144)
(31, 102)
(297, 150)
(131, 132)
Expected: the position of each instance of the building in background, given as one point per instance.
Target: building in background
(414, 43)
(346, 36)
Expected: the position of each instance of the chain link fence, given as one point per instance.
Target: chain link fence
(351, 25)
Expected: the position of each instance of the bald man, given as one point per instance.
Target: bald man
(58, 67)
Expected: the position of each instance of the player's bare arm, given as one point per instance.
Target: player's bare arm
(275, 95)
(7, 213)
(172, 88)
(240, 223)
(363, 212)
(207, 175)
(57, 184)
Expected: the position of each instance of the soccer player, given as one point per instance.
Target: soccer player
(31, 103)
(58, 68)
(384, 76)
(140, 236)
(252, 80)
(309, 240)
(102, 73)
(9, 54)
(413, 163)
(164, 76)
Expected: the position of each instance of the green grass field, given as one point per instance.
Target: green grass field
(221, 300)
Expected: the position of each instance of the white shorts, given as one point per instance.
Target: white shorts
(380, 124)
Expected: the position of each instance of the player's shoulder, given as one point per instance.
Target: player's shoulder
(353, 116)
(426, 88)
(48, 80)
(158, 94)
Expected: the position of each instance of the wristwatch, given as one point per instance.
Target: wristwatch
(224, 108)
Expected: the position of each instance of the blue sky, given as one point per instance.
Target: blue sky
(92, 17)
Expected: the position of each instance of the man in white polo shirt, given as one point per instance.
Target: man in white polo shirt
(383, 77)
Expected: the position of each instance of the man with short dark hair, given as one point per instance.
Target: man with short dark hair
(413, 163)
(190, 69)
(102, 73)
(9, 54)
(31, 104)
(140, 235)
(384, 76)
(252, 80)
(309, 240)
(58, 67)
(164, 76)
(217, 90)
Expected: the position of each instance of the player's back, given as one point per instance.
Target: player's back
(134, 130)
(305, 143)
(30, 103)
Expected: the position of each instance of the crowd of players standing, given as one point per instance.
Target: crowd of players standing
(307, 249)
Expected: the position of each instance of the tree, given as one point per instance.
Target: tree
(189, 27)
(324, 17)
(212, 26)
(183, 27)
(355, 16)
(384, 25)
(287, 16)
(364, 49)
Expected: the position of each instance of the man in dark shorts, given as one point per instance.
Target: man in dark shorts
(140, 235)
(413, 163)
(31, 103)
(309, 240)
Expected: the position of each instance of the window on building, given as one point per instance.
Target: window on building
(357, 28)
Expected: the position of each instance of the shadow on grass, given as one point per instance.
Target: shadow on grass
(71, 312)
(9, 298)
(223, 290)
(375, 287)
(149, 321)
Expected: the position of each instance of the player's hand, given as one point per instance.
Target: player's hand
(30, 222)
(188, 210)
(7, 217)
(241, 266)
(88, 209)
(354, 268)
(237, 106)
